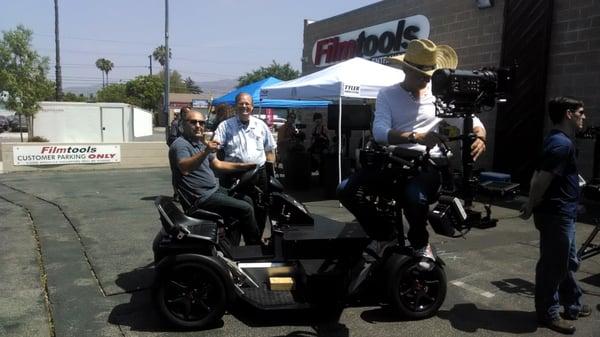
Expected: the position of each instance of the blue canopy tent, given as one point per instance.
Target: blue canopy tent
(254, 90)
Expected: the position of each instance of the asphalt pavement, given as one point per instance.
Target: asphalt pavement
(77, 261)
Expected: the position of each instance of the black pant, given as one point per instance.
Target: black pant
(414, 194)
(261, 181)
(221, 203)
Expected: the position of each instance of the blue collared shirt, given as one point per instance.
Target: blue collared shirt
(245, 143)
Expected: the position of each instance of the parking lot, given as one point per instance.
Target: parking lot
(77, 261)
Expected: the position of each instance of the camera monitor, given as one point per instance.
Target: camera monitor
(354, 117)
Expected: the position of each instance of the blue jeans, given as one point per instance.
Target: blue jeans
(555, 283)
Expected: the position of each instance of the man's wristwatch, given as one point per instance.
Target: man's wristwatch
(412, 138)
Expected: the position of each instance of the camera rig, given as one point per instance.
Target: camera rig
(591, 192)
(463, 94)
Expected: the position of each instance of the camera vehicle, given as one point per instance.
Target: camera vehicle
(310, 260)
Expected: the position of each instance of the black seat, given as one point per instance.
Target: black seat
(180, 225)
(275, 185)
(197, 213)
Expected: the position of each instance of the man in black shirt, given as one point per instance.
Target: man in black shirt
(553, 199)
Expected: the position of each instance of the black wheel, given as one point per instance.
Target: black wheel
(416, 293)
(191, 295)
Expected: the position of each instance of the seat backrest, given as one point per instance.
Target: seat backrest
(186, 204)
(170, 215)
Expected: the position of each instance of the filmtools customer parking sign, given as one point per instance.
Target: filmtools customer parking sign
(66, 154)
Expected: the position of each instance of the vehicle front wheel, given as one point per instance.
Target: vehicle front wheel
(416, 293)
(191, 295)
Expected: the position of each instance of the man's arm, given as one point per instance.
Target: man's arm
(269, 145)
(270, 155)
(540, 181)
(227, 166)
(187, 165)
(479, 144)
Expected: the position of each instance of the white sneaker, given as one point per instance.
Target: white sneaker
(427, 257)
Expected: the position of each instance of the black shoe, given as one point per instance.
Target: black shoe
(585, 311)
(559, 325)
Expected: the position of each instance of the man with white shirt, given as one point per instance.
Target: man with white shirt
(405, 116)
(247, 139)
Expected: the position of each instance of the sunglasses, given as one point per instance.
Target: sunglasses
(196, 121)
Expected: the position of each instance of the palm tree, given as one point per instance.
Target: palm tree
(100, 66)
(108, 65)
(160, 55)
(105, 67)
(59, 90)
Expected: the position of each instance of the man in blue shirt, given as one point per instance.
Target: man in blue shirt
(553, 199)
(193, 159)
(247, 139)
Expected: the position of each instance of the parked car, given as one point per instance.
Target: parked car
(4, 124)
(14, 123)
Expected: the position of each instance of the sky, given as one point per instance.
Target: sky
(209, 39)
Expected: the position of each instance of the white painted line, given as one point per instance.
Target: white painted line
(473, 289)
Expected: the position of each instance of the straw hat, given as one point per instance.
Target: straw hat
(425, 57)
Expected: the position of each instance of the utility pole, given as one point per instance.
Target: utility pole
(150, 59)
(166, 104)
(59, 90)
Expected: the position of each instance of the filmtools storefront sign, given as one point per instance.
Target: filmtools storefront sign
(66, 154)
(375, 42)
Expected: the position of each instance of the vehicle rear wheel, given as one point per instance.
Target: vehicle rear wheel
(191, 295)
(416, 293)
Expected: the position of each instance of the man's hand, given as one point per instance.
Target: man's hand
(477, 148)
(212, 146)
(526, 211)
(430, 139)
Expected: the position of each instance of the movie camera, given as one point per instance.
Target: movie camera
(460, 92)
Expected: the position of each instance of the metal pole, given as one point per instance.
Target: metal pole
(150, 62)
(59, 89)
(167, 89)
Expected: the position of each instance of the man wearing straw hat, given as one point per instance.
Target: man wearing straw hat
(405, 116)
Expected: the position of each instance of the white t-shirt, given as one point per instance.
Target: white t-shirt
(397, 109)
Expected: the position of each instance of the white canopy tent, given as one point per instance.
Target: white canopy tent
(356, 78)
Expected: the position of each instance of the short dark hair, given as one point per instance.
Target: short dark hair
(237, 97)
(317, 115)
(185, 110)
(559, 105)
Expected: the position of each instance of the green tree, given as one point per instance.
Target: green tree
(160, 55)
(112, 93)
(284, 72)
(105, 66)
(192, 87)
(72, 97)
(23, 73)
(176, 82)
(145, 92)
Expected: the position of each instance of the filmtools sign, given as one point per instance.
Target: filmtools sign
(375, 42)
(66, 154)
